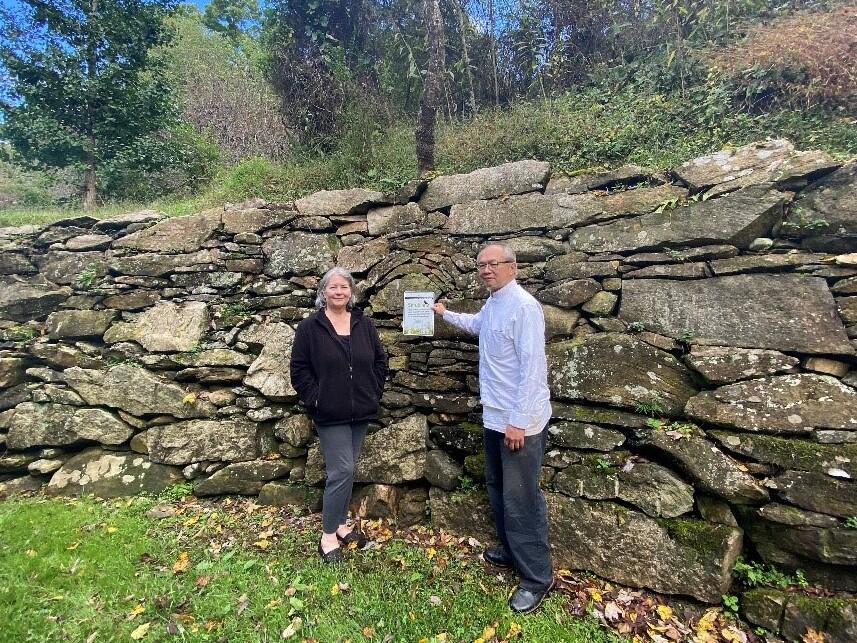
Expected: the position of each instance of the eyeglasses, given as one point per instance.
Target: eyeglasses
(484, 265)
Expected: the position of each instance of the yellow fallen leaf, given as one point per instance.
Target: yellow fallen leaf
(430, 552)
(263, 544)
(813, 636)
(595, 594)
(73, 546)
(334, 590)
(30, 553)
(665, 612)
(292, 628)
(368, 632)
(112, 530)
(412, 616)
(181, 564)
(274, 603)
(134, 613)
(190, 398)
(488, 632)
(141, 631)
(514, 630)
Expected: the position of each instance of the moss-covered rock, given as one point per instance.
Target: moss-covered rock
(764, 607)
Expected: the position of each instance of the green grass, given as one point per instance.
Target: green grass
(71, 569)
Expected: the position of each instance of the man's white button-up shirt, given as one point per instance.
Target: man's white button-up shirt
(512, 364)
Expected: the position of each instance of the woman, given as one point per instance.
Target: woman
(338, 368)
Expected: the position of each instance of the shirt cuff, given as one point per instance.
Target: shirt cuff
(520, 420)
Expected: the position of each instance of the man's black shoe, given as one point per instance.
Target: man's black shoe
(497, 556)
(524, 601)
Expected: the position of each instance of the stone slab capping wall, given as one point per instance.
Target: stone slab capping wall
(701, 329)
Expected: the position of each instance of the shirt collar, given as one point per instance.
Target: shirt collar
(505, 291)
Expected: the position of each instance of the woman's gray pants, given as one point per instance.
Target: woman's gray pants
(340, 445)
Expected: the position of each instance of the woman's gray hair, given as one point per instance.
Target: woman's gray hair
(321, 301)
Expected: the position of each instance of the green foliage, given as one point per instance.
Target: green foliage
(602, 464)
(754, 574)
(653, 406)
(850, 522)
(233, 18)
(83, 81)
(169, 162)
(19, 334)
(176, 491)
(235, 311)
(730, 602)
(466, 484)
(86, 278)
(636, 327)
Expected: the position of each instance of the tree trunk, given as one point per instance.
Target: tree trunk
(465, 55)
(431, 98)
(89, 173)
(89, 181)
(493, 41)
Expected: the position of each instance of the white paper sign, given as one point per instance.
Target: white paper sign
(418, 318)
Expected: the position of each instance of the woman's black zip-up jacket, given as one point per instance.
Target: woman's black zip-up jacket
(337, 388)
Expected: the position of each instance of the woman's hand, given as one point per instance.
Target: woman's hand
(439, 308)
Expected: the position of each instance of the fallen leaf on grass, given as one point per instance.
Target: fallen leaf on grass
(141, 631)
(435, 600)
(263, 544)
(243, 603)
(134, 613)
(292, 628)
(665, 612)
(181, 564)
(202, 581)
(274, 603)
(368, 632)
(514, 630)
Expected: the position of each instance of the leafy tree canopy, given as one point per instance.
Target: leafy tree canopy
(84, 84)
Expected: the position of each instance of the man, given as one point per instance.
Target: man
(516, 407)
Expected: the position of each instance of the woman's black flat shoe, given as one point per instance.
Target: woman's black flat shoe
(332, 557)
(354, 536)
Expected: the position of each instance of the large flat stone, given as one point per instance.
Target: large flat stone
(710, 468)
(243, 220)
(269, 373)
(338, 202)
(552, 211)
(110, 475)
(766, 162)
(672, 556)
(151, 264)
(25, 299)
(65, 268)
(166, 327)
(485, 183)
(400, 218)
(838, 460)
(178, 234)
(245, 478)
(361, 257)
(724, 365)
(202, 440)
(825, 214)
(781, 312)
(648, 486)
(79, 323)
(60, 424)
(137, 391)
(790, 404)
(12, 371)
(736, 219)
(300, 253)
(818, 492)
(617, 369)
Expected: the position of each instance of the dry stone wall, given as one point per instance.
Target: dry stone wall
(701, 329)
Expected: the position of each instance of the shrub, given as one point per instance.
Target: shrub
(806, 59)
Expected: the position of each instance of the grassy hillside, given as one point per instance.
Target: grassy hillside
(588, 129)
